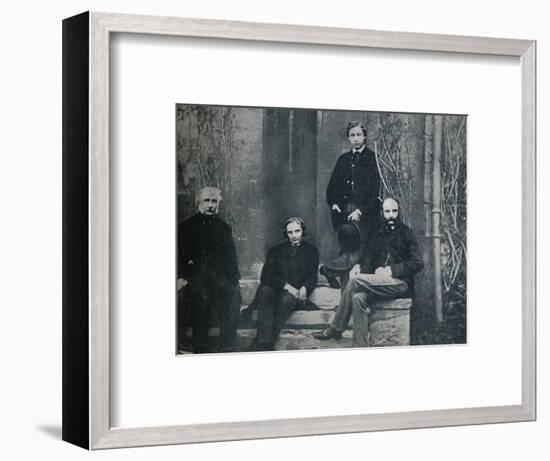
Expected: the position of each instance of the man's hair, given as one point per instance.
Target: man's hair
(354, 124)
(298, 221)
(389, 198)
(209, 190)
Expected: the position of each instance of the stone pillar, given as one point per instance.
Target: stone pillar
(389, 323)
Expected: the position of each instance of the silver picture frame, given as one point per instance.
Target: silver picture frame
(86, 229)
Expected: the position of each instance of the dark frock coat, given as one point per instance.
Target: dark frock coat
(355, 183)
(397, 248)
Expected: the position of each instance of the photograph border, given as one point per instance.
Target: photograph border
(86, 230)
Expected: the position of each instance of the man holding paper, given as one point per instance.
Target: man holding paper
(388, 266)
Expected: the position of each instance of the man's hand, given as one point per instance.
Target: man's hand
(355, 271)
(386, 270)
(302, 294)
(181, 283)
(293, 291)
(335, 207)
(355, 215)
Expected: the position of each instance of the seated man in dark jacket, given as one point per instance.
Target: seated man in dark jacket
(208, 274)
(288, 277)
(388, 265)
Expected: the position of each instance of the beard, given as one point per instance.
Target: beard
(391, 223)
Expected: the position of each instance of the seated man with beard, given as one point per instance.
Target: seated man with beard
(388, 266)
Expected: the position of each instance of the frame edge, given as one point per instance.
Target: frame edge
(315, 35)
(529, 227)
(298, 427)
(75, 307)
(99, 229)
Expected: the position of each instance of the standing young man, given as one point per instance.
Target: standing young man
(353, 197)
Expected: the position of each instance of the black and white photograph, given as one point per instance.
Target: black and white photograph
(303, 229)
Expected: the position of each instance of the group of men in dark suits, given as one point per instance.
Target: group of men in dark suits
(378, 258)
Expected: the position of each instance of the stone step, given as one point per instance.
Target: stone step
(307, 321)
(292, 340)
(295, 339)
(289, 340)
(389, 323)
(385, 309)
(325, 297)
(248, 289)
(312, 320)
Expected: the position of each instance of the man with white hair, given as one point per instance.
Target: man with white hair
(388, 266)
(208, 273)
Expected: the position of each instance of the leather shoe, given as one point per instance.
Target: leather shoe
(330, 276)
(329, 333)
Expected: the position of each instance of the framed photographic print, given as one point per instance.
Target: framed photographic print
(315, 168)
(256, 213)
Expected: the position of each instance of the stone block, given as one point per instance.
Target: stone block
(293, 339)
(390, 323)
(325, 297)
(312, 320)
(248, 290)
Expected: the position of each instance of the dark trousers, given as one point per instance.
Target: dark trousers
(274, 309)
(213, 298)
